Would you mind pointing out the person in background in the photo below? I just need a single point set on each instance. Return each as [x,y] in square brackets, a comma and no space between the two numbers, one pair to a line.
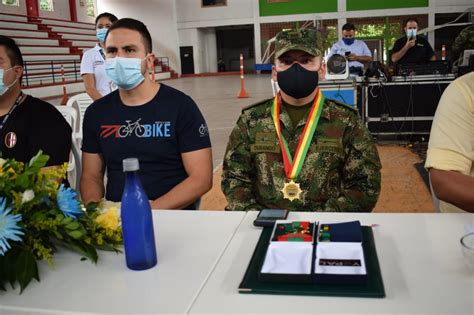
[151,121]
[464,41]
[27,124]
[356,51]
[300,151]
[96,82]
[450,156]
[412,48]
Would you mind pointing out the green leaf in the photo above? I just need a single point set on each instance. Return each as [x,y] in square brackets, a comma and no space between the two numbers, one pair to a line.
[75,234]
[22,181]
[92,206]
[66,221]
[39,160]
[3,276]
[82,248]
[73,225]
[38,216]
[107,247]
[26,269]
[9,264]
[57,235]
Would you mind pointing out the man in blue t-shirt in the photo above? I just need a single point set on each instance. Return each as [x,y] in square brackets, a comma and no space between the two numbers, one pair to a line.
[153,122]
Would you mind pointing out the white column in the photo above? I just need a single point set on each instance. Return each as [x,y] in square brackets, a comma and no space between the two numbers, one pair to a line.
[256,32]
[431,21]
[211,50]
[341,8]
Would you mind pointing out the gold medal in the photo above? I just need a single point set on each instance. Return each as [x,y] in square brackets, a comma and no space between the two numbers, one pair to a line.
[291,191]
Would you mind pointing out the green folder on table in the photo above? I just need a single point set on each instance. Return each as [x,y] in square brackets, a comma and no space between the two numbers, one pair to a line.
[372,288]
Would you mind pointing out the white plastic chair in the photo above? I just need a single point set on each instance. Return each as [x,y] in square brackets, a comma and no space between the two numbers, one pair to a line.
[74,165]
[79,102]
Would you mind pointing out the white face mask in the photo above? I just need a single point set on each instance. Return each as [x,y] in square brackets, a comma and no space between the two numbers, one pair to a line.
[126,73]
[411,33]
[4,88]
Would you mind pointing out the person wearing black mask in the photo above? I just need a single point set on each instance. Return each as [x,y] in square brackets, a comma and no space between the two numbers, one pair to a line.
[299,150]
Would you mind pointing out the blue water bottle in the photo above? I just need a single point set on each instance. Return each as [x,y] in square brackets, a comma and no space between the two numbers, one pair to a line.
[137,222]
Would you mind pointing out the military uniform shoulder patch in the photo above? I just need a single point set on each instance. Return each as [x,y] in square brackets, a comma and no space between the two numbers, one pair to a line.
[354,108]
[257,104]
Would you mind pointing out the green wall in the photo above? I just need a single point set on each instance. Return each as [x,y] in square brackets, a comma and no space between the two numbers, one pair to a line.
[297,7]
[354,5]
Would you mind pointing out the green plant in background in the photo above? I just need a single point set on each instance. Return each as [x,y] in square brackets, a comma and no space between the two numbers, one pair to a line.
[329,35]
[90,8]
[388,32]
[37,214]
[46,5]
[10,2]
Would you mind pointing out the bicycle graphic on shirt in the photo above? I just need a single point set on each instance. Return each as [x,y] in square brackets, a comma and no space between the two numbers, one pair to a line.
[130,128]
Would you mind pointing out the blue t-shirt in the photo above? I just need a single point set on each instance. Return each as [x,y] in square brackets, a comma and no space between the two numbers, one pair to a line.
[156,133]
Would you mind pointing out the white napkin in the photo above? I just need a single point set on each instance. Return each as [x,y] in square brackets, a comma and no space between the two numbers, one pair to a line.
[340,250]
[288,258]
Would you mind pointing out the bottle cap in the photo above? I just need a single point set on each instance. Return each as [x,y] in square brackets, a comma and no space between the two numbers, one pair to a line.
[130,165]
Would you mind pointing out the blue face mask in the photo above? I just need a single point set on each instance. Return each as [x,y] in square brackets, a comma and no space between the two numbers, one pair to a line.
[126,73]
[4,88]
[348,41]
[411,33]
[100,33]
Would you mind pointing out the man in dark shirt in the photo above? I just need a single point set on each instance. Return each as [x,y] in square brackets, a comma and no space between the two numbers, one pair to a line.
[412,48]
[27,124]
[153,122]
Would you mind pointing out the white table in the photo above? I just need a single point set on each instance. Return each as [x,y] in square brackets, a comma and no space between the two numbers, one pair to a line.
[419,254]
[189,243]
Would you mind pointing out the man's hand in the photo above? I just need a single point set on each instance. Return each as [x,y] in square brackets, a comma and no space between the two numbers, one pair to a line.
[410,43]
[363,59]
[351,57]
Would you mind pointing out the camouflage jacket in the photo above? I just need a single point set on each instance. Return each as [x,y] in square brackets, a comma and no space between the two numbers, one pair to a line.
[341,171]
[465,40]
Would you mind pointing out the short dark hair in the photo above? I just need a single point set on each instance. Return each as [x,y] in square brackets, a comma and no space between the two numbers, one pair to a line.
[13,52]
[348,27]
[411,19]
[133,25]
[108,15]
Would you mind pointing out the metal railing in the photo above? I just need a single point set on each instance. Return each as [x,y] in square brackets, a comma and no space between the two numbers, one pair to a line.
[47,72]
[162,64]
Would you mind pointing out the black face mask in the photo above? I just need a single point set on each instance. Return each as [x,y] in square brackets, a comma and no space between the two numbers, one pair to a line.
[297,82]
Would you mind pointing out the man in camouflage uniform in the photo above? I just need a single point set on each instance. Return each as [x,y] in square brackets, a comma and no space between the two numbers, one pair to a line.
[341,171]
[465,40]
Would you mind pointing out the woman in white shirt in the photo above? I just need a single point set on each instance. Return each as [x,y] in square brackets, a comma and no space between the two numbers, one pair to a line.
[96,82]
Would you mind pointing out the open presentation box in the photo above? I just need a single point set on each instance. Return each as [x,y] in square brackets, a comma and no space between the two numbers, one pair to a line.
[310,264]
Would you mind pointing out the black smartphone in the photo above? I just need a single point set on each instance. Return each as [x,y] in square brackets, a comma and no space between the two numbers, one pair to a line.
[267,217]
[347,53]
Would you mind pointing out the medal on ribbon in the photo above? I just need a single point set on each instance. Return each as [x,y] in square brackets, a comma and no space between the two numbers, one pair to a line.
[292,190]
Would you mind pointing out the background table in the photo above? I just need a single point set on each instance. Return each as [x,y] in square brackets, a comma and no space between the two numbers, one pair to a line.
[189,243]
[419,254]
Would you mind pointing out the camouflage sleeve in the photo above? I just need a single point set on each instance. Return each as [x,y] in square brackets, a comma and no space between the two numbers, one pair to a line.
[238,169]
[459,44]
[361,173]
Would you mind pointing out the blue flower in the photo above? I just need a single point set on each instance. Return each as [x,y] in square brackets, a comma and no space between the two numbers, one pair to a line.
[9,230]
[68,203]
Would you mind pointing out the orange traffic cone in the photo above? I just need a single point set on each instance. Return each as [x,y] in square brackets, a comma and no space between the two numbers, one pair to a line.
[243,92]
